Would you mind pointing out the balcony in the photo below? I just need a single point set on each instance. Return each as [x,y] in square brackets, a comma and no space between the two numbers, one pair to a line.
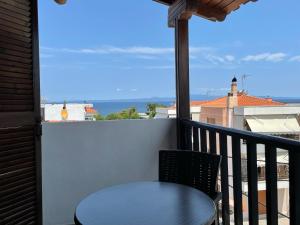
[79,158]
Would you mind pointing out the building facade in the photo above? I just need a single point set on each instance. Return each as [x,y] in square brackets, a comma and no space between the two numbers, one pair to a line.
[68,112]
[262,115]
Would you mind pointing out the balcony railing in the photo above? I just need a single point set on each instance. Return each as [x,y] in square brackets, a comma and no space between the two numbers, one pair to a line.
[227,142]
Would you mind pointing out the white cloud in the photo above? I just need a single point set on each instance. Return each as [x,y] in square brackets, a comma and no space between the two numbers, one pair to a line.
[268,57]
[140,50]
[147,57]
[119,89]
[160,67]
[133,89]
[217,59]
[229,58]
[295,58]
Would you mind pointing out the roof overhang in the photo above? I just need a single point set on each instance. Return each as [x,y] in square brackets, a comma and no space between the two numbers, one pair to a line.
[215,10]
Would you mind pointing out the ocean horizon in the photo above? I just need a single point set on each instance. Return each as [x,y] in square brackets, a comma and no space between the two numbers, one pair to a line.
[105,107]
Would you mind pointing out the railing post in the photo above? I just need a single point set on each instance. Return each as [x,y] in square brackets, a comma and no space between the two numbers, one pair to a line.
[294,172]
[271,185]
[252,183]
[224,180]
[203,139]
[237,180]
[196,139]
[212,142]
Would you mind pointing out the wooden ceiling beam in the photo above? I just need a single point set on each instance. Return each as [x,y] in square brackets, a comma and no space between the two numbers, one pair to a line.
[165,2]
[181,9]
[215,10]
[234,5]
[210,13]
[184,9]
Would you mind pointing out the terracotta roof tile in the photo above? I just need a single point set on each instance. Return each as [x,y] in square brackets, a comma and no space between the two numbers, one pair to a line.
[90,110]
[243,100]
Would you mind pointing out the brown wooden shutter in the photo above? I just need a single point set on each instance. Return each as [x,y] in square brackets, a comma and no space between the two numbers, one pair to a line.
[20,123]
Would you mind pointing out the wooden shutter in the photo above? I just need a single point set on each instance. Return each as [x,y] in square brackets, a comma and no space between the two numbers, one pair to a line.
[20,122]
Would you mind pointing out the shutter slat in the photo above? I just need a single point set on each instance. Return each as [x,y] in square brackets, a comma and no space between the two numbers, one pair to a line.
[15,80]
[21,5]
[15,53]
[13,30]
[13,20]
[18,11]
[15,70]
[15,91]
[5,21]
[9,74]
[15,58]
[17,17]
[6,39]
[16,173]
[15,48]
[15,36]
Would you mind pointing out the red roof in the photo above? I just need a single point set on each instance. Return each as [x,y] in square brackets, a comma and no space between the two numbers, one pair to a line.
[243,100]
[90,110]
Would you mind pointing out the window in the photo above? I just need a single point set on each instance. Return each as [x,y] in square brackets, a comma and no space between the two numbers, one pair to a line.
[211,120]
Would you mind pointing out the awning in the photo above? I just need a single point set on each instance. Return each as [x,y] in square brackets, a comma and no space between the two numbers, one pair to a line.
[274,124]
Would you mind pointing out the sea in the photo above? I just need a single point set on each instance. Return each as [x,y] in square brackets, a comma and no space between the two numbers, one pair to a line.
[107,107]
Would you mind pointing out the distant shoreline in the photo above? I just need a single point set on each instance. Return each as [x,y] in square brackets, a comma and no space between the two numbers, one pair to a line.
[105,107]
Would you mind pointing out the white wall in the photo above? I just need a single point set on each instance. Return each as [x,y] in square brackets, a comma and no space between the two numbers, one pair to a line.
[268,110]
[79,158]
[76,112]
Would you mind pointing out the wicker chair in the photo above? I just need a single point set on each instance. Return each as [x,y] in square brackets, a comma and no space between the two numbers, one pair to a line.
[194,169]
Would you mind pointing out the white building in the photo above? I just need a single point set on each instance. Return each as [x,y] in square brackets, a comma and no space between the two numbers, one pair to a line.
[68,112]
[170,112]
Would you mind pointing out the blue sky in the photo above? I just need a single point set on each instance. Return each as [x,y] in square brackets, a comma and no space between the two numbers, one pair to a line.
[95,49]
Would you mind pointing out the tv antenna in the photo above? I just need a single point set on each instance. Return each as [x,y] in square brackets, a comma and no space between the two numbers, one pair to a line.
[244,77]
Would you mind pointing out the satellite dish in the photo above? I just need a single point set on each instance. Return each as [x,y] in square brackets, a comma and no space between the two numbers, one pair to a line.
[61,2]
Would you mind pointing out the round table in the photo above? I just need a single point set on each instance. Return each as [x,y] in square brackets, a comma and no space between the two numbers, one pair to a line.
[146,203]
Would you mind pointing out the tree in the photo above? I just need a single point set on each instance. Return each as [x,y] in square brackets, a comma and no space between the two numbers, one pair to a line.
[130,113]
[151,109]
[113,116]
[99,117]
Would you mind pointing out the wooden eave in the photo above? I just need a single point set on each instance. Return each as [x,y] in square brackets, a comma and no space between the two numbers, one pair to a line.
[215,10]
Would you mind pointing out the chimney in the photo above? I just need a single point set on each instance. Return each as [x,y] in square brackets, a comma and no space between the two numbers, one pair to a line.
[232,101]
[234,89]
[233,94]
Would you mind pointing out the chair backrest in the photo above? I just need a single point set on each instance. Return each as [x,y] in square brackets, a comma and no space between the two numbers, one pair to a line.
[195,169]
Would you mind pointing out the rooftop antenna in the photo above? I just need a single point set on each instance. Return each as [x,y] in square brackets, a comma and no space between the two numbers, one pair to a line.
[244,77]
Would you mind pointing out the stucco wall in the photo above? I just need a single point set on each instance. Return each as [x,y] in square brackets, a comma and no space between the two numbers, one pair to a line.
[219,114]
[83,157]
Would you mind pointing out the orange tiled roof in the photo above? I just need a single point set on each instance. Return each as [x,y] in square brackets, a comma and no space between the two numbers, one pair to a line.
[90,110]
[243,100]
[198,103]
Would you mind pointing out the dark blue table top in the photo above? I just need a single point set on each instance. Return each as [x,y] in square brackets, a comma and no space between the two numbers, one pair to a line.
[146,203]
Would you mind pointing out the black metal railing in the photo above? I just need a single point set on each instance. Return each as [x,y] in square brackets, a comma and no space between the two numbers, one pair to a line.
[227,142]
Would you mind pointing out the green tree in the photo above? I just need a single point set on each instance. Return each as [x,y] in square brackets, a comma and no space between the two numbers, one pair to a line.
[151,109]
[130,113]
[99,117]
[113,116]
